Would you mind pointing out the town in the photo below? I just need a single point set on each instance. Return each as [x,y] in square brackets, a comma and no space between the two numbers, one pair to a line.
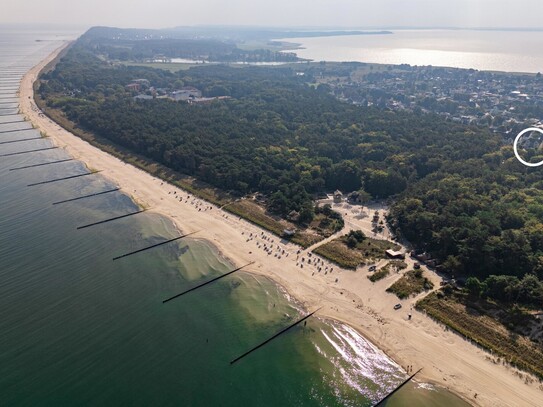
[504,102]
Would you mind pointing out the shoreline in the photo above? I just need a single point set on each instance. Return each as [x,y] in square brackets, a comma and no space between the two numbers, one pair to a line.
[448,360]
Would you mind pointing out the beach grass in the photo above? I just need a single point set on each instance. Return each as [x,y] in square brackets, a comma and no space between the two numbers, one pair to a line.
[393,265]
[256,214]
[379,274]
[411,283]
[467,319]
[340,253]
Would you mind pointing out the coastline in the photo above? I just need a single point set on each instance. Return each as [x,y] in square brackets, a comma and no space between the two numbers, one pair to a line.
[448,360]
[410,47]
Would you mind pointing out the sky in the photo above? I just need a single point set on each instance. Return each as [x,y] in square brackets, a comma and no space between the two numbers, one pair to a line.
[278,13]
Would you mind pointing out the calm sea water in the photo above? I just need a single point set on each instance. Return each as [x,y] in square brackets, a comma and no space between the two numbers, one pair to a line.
[78,328]
[511,51]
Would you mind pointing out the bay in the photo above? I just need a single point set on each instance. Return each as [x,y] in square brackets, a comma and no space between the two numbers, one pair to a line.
[494,50]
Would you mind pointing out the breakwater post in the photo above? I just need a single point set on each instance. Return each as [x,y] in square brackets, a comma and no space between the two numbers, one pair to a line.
[109,220]
[87,196]
[206,282]
[380,402]
[63,178]
[282,331]
[153,246]
[39,165]
[29,151]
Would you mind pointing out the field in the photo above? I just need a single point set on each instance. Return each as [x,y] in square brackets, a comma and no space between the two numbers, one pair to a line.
[413,282]
[368,250]
[394,265]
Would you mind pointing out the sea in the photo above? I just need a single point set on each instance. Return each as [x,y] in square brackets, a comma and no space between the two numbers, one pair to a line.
[490,50]
[78,328]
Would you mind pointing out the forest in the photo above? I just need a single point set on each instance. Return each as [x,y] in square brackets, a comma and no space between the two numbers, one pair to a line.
[457,191]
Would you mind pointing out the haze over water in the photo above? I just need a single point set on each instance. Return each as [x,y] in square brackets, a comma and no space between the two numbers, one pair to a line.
[510,51]
[80,329]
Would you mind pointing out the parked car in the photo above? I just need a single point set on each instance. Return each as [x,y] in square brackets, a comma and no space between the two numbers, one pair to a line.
[397,306]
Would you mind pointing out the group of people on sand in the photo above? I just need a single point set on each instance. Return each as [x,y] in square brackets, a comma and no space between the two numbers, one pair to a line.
[263,241]
[197,203]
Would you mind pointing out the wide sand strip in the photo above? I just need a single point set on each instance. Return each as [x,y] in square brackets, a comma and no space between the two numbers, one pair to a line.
[446,359]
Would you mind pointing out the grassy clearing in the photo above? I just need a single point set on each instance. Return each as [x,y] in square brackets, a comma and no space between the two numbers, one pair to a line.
[394,265]
[379,274]
[459,314]
[326,225]
[412,283]
[338,252]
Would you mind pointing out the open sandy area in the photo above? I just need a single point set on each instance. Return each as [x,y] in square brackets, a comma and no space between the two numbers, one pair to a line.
[447,360]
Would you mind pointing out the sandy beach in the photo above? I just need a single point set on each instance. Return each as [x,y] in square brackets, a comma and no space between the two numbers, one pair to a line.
[447,359]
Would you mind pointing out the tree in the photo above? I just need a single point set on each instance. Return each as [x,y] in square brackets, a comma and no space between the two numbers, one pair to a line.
[453,265]
[363,196]
[474,287]
[307,213]
[352,242]
[278,202]
[358,235]
[327,209]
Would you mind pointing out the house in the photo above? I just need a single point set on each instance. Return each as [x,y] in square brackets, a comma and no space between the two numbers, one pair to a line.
[142,82]
[197,93]
[338,196]
[393,254]
[289,232]
[143,97]
[185,94]
[356,197]
[293,216]
[133,87]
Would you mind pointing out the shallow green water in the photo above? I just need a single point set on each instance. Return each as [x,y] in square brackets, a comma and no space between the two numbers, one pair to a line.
[81,329]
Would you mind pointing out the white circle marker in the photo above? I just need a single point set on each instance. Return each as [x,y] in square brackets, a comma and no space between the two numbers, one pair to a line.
[522,133]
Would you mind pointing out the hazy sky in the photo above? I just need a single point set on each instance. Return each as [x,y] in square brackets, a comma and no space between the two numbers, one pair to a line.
[347,13]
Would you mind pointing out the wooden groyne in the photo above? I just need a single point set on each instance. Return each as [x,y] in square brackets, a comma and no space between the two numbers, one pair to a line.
[110,219]
[205,283]
[20,141]
[13,131]
[14,121]
[153,246]
[282,331]
[40,165]
[86,196]
[29,151]
[63,178]
[380,402]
